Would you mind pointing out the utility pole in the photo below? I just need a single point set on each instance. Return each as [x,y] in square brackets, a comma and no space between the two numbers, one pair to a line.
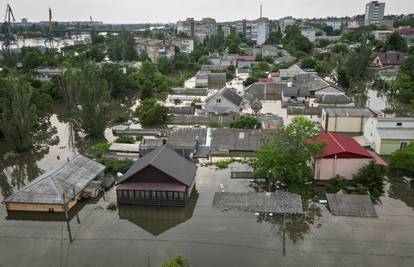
[67,217]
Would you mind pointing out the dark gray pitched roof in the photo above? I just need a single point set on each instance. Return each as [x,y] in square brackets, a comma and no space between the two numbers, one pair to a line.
[50,186]
[232,96]
[335,99]
[168,161]
[296,91]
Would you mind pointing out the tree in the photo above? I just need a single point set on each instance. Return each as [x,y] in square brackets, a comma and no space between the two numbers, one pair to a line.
[92,112]
[405,81]
[335,184]
[177,261]
[308,63]
[245,122]
[300,43]
[18,117]
[151,113]
[395,42]
[165,66]
[402,160]
[116,79]
[249,81]
[285,156]
[275,38]
[371,177]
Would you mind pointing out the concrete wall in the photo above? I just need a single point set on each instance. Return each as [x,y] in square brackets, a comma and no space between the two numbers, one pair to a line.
[328,168]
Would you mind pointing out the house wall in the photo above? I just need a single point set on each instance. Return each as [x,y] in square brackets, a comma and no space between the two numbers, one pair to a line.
[343,124]
[222,107]
[387,147]
[328,168]
[39,207]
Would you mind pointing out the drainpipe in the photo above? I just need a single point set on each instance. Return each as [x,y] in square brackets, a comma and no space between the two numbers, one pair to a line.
[334,174]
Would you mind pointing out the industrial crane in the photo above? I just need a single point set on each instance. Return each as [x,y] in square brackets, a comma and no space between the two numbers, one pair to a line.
[50,41]
[7,25]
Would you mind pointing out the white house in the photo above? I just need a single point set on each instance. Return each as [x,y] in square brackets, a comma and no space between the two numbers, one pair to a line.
[225,101]
[386,135]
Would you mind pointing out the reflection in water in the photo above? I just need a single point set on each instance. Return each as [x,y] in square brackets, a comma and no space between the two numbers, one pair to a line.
[402,189]
[296,226]
[157,220]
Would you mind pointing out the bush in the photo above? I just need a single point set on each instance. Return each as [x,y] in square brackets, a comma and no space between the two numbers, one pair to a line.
[98,150]
[125,139]
[116,165]
[335,184]
[139,138]
[112,206]
[177,261]
[214,124]
[224,164]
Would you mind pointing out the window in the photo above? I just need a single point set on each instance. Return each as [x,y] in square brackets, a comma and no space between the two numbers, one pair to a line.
[403,144]
[218,100]
[170,195]
[164,195]
[181,195]
[124,193]
[153,194]
[141,194]
[131,194]
[175,195]
[399,123]
[147,195]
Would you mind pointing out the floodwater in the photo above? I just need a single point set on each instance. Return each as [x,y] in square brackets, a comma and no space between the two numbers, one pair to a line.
[204,234]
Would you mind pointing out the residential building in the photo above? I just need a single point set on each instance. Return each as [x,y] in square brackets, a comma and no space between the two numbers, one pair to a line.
[154,48]
[198,29]
[245,61]
[57,190]
[262,30]
[226,30]
[342,155]
[335,24]
[212,80]
[386,135]
[185,148]
[389,59]
[264,50]
[225,101]
[185,45]
[202,78]
[46,74]
[381,35]
[248,28]
[265,91]
[389,74]
[309,33]
[161,177]
[286,21]
[295,95]
[341,100]
[269,121]
[346,120]
[374,12]
[237,142]
[407,33]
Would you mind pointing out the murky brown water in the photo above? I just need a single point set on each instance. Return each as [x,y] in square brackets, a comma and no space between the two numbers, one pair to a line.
[206,235]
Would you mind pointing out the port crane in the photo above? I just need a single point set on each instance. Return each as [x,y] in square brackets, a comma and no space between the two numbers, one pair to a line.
[50,41]
[9,19]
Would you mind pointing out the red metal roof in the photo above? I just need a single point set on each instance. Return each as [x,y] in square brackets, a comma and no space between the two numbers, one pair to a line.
[406,30]
[275,74]
[152,187]
[378,159]
[265,80]
[341,146]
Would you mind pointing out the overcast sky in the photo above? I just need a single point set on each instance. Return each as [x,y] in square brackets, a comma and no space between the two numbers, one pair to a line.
[139,11]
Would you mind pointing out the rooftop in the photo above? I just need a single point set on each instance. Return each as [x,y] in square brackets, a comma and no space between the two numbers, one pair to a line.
[68,179]
[350,112]
[166,160]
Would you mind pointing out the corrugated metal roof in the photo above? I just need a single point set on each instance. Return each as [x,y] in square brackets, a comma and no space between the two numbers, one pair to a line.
[168,161]
[351,205]
[49,188]
[337,144]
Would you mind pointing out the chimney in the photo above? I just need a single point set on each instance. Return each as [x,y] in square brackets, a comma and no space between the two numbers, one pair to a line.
[398,56]
[261,11]
[164,141]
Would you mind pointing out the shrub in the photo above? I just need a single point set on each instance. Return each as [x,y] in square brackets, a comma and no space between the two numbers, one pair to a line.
[402,160]
[112,206]
[116,165]
[335,184]
[214,124]
[139,138]
[370,178]
[125,139]
[98,150]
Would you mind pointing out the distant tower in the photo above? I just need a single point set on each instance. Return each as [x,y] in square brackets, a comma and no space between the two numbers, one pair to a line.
[262,28]
[261,11]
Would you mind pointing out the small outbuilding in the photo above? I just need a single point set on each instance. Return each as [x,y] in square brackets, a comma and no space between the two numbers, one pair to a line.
[58,189]
[161,177]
